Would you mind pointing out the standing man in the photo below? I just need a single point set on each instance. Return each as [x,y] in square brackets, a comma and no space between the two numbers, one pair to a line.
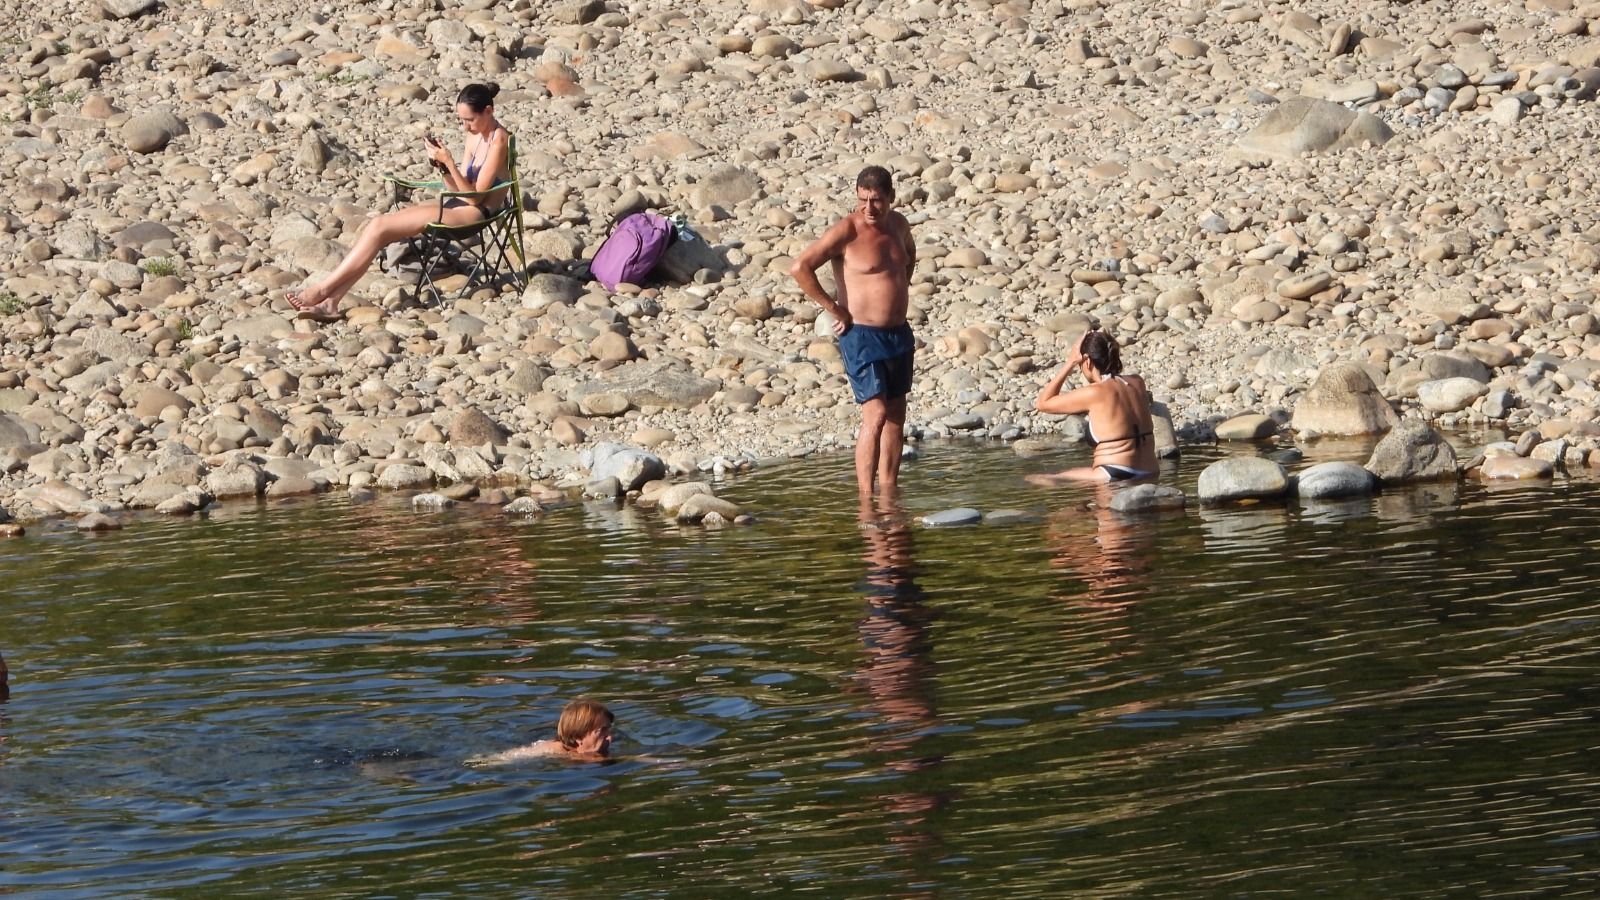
[872,254]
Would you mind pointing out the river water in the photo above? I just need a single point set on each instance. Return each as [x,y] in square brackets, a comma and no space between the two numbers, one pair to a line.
[1390,696]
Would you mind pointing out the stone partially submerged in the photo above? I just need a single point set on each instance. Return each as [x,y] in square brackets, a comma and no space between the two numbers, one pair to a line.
[1242,478]
[1333,479]
[1413,451]
[1303,125]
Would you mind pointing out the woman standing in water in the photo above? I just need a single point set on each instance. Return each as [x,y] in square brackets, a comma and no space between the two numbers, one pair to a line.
[1118,409]
[488,153]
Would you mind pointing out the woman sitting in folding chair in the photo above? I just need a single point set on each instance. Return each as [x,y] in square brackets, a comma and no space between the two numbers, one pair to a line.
[488,159]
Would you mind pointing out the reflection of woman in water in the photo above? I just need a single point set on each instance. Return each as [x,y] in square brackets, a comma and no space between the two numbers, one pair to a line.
[1118,408]
[1111,561]
[897,672]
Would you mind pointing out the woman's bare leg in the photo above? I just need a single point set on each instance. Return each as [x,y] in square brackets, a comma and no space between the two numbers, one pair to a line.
[378,233]
[1088,474]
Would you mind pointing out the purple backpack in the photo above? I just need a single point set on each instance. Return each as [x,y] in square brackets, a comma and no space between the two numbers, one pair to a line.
[632,250]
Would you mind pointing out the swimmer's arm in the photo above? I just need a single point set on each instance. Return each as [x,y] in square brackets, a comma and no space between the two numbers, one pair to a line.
[535,750]
[804,269]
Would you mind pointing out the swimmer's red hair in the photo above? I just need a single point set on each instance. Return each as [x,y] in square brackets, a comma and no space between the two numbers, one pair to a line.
[579,718]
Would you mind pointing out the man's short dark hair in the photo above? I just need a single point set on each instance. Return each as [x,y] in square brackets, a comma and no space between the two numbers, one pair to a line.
[875,178]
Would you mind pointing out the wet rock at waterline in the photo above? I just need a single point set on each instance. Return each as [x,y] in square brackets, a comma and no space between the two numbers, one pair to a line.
[1331,480]
[1514,468]
[1412,451]
[1242,478]
[951,517]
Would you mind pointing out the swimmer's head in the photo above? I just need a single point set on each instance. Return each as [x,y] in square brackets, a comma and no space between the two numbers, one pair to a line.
[1101,350]
[585,727]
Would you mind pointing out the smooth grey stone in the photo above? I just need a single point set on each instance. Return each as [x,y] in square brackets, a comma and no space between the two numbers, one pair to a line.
[1449,76]
[1009,517]
[961,515]
[962,421]
[1242,478]
[1333,479]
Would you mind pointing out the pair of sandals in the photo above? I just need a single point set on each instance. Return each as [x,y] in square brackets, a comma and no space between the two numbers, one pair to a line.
[315,312]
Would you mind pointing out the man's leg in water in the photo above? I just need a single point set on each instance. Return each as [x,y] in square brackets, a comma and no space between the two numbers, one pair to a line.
[890,444]
[874,413]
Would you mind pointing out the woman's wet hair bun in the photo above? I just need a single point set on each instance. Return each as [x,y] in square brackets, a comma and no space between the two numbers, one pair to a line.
[494,90]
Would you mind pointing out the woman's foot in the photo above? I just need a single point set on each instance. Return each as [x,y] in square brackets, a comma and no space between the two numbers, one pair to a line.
[326,311]
[301,299]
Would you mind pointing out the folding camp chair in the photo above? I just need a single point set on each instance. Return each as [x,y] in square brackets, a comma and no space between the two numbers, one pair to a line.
[481,249]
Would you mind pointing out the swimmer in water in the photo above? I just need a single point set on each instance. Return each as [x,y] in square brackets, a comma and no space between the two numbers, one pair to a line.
[583,732]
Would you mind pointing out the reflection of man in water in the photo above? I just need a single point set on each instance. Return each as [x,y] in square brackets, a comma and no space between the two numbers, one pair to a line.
[898,673]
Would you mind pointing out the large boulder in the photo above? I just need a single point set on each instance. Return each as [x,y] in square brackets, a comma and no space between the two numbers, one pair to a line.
[472,427]
[1166,436]
[1412,451]
[236,478]
[1303,125]
[1450,394]
[651,386]
[127,9]
[686,257]
[1343,400]
[404,476]
[15,432]
[1242,478]
[1333,479]
[726,187]
[630,466]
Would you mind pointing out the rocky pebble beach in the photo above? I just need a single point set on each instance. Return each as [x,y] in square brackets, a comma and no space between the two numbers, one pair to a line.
[1324,218]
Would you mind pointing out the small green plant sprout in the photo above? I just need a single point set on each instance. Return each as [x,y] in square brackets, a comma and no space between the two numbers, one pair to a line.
[40,97]
[185,329]
[10,304]
[159,266]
